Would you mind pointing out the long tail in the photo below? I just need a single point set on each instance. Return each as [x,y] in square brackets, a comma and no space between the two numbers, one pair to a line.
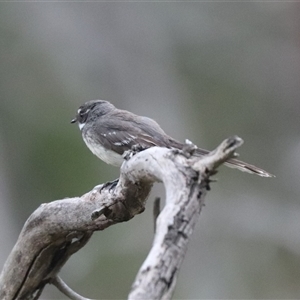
[245,167]
[232,163]
[240,165]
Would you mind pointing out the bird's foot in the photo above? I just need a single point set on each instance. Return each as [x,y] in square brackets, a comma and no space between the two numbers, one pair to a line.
[110,185]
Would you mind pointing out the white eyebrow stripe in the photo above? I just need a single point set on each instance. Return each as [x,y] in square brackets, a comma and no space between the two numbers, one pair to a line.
[83,112]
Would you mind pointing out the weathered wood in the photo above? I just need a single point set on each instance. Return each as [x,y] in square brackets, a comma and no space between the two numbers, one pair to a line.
[186,183]
[58,229]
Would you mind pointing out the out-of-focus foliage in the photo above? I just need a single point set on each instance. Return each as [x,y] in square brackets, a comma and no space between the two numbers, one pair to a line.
[204,71]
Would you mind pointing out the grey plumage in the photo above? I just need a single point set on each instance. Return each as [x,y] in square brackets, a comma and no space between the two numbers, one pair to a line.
[109,132]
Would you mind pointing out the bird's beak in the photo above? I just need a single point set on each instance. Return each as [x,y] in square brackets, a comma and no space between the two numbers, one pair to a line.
[74,120]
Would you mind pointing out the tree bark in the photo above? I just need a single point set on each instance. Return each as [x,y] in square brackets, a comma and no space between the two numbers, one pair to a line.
[58,229]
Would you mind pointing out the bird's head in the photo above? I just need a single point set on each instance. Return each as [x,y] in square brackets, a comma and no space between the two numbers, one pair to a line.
[91,110]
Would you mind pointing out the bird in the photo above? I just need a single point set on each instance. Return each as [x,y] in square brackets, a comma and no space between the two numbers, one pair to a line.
[108,132]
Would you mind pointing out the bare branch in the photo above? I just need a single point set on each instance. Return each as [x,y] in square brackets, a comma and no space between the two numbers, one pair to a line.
[186,185]
[58,229]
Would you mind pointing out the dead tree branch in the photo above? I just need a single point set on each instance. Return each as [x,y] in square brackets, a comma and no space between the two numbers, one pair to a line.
[58,229]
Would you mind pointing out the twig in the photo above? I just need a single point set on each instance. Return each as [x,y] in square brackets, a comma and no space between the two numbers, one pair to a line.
[66,290]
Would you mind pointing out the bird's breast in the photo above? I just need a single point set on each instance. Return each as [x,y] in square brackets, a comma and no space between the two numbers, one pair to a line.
[108,156]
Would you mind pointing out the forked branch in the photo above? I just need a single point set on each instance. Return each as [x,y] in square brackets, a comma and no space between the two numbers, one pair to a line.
[58,229]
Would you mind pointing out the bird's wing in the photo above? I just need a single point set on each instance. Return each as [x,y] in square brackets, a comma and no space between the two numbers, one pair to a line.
[144,132]
[120,136]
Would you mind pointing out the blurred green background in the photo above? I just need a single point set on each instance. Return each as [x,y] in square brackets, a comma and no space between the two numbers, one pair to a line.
[204,71]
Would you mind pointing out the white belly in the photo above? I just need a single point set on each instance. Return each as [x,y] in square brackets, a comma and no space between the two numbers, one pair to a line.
[108,156]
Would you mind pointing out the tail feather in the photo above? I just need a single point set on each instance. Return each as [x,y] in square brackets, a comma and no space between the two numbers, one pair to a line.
[245,167]
[231,163]
[240,165]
